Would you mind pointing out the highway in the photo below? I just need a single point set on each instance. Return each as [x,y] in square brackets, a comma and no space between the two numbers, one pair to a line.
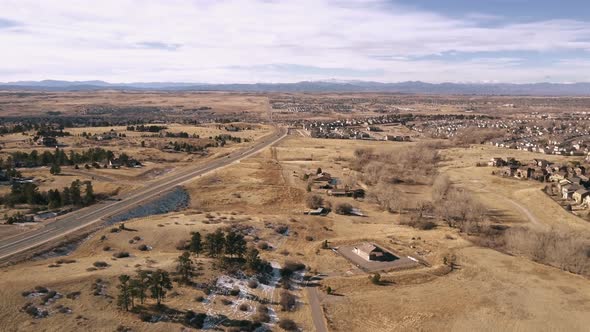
[79,219]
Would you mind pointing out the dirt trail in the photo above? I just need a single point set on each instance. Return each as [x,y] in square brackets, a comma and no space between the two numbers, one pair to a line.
[317,314]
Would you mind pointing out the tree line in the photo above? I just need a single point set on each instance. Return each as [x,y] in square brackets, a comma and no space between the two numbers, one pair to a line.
[58,157]
[143,128]
[78,194]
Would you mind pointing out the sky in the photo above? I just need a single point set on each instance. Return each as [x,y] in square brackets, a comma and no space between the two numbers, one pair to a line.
[248,41]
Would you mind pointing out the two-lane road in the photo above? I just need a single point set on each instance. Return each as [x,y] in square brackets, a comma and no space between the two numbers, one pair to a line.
[82,218]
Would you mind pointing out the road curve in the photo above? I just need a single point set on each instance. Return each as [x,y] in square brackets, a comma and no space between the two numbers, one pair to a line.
[79,219]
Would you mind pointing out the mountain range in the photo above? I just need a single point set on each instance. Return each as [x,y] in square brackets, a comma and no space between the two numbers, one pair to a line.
[410,87]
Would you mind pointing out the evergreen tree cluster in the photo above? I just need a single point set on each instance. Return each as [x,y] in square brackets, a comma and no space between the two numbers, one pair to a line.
[181,134]
[144,128]
[187,147]
[228,246]
[59,157]
[156,284]
[77,194]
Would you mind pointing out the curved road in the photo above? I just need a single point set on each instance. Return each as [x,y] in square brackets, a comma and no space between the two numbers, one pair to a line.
[79,219]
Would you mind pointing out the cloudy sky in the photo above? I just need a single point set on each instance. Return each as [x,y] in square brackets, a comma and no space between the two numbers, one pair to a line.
[224,41]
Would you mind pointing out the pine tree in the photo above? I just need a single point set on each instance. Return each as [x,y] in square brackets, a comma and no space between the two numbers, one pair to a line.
[185,267]
[54,199]
[215,243]
[66,196]
[75,194]
[159,284]
[196,245]
[124,299]
[55,169]
[89,197]
[140,285]
[235,244]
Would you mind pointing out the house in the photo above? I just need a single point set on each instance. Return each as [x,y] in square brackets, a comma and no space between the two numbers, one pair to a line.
[317,212]
[44,216]
[338,192]
[323,177]
[567,191]
[580,195]
[369,252]
[541,162]
[115,163]
[497,162]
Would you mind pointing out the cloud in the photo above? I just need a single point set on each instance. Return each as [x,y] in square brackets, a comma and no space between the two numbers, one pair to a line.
[159,46]
[279,40]
[4,23]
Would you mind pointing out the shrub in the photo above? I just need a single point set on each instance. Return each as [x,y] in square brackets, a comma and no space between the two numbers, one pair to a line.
[244,307]
[261,315]
[143,247]
[309,238]
[288,301]
[100,264]
[234,292]
[73,295]
[106,248]
[263,246]
[282,229]
[41,289]
[253,284]
[226,301]
[50,295]
[314,201]
[121,254]
[293,266]
[376,279]
[343,208]
[288,325]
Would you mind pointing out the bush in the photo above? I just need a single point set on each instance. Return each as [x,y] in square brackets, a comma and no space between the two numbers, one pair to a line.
[293,266]
[314,201]
[263,246]
[262,315]
[143,247]
[73,295]
[288,301]
[376,279]
[253,284]
[282,229]
[226,301]
[288,325]
[121,254]
[343,208]
[309,238]
[234,292]
[244,307]
[106,248]
[100,264]
[41,289]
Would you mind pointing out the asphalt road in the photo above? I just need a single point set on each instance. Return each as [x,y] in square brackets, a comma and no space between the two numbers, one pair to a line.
[79,219]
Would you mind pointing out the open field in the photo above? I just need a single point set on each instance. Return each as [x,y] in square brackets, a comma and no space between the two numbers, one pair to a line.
[491,252]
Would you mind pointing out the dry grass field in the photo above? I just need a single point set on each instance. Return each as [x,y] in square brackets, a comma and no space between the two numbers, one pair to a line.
[462,280]
[77,103]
